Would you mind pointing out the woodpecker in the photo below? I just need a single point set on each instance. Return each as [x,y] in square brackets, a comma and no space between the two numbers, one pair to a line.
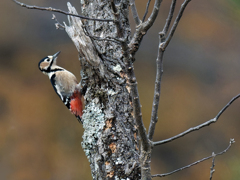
[64,83]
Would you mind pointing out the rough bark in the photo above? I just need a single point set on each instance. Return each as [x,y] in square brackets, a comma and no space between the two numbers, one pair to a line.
[110,137]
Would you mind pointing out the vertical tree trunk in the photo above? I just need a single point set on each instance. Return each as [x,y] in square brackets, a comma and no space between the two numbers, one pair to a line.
[110,138]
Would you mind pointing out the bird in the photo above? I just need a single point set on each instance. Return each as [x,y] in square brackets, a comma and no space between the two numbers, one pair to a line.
[64,83]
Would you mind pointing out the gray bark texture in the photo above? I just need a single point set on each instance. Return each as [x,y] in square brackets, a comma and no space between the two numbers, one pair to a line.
[110,139]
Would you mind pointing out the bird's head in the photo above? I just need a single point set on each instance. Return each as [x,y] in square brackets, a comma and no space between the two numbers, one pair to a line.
[48,64]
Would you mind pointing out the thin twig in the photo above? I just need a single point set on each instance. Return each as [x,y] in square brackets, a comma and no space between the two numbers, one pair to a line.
[60,11]
[212,170]
[142,29]
[159,63]
[154,14]
[157,91]
[199,126]
[134,12]
[199,161]
[175,24]
[58,24]
[169,18]
[145,14]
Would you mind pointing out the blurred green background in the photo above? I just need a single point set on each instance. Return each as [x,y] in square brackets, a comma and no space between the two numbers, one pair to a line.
[40,139]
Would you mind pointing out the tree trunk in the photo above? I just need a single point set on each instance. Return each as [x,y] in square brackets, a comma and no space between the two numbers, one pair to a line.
[110,139]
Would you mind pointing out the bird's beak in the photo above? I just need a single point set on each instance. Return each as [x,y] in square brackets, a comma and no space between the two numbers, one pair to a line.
[56,55]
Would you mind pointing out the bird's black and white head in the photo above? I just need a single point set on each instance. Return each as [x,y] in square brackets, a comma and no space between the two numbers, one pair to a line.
[48,64]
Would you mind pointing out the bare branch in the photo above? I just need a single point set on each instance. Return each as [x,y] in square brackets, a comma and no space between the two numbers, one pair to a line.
[145,14]
[159,63]
[134,12]
[199,126]
[157,91]
[212,170]
[199,161]
[175,24]
[154,14]
[169,18]
[60,11]
[143,28]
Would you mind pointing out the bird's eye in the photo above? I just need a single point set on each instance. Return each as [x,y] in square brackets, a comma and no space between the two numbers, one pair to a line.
[47,59]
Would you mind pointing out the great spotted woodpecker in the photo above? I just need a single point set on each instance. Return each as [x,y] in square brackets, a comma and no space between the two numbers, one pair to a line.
[64,83]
